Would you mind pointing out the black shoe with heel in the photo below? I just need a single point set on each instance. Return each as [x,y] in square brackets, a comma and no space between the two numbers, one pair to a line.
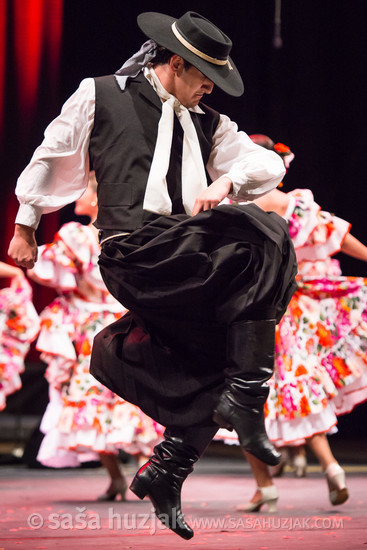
[161,479]
[117,489]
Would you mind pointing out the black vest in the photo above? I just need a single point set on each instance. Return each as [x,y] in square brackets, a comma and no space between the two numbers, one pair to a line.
[122,145]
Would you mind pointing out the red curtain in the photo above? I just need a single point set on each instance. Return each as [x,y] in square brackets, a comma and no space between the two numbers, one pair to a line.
[30,66]
[37,45]
[3,11]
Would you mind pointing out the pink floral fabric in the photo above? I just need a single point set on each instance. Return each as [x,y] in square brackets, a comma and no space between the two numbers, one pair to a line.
[321,341]
[19,326]
[83,417]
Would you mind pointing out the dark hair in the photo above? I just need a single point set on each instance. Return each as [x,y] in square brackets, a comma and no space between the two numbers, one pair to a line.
[279,148]
[263,140]
[163,57]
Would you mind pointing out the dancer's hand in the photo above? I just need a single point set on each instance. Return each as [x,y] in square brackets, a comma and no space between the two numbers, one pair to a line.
[23,246]
[213,195]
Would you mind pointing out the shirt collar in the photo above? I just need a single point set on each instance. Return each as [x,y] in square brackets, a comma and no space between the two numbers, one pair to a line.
[153,79]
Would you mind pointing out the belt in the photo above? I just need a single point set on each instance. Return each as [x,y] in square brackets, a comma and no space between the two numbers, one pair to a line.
[106,235]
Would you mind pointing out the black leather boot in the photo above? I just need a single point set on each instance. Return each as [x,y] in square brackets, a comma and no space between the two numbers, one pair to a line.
[161,478]
[241,405]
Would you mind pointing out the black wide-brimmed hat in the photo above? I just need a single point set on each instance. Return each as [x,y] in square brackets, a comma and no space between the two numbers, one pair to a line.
[199,42]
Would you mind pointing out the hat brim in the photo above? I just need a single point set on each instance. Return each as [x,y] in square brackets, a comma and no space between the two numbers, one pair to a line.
[158,27]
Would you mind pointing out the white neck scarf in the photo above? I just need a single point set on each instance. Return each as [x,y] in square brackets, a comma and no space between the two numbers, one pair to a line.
[193,175]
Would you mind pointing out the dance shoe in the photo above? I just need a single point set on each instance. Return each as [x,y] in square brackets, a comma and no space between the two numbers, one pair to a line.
[335,477]
[269,496]
[161,479]
[300,466]
[117,488]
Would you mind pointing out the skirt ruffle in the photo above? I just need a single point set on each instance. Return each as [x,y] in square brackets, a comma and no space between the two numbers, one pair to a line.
[19,326]
[84,418]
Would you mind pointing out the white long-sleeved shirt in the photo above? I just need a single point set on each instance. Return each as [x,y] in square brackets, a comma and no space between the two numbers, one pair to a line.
[58,172]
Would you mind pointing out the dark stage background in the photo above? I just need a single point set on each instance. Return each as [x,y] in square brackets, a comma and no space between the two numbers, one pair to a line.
[310,93]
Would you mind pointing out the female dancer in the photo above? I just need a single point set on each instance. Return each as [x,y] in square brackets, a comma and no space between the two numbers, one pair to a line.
[321,341]
[19,326]
[84,420]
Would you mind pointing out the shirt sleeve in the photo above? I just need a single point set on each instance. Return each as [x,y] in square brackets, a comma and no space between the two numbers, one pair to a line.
[252,169]
[57,174]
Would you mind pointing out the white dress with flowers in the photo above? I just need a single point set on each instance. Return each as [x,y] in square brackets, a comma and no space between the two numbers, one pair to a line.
[19,326]
[83,418]
[321,341]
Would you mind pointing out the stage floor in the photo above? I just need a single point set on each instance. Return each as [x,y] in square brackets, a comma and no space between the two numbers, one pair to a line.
[46,509]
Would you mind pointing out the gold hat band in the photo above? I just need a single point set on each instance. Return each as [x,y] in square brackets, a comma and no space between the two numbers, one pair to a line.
[194,50]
